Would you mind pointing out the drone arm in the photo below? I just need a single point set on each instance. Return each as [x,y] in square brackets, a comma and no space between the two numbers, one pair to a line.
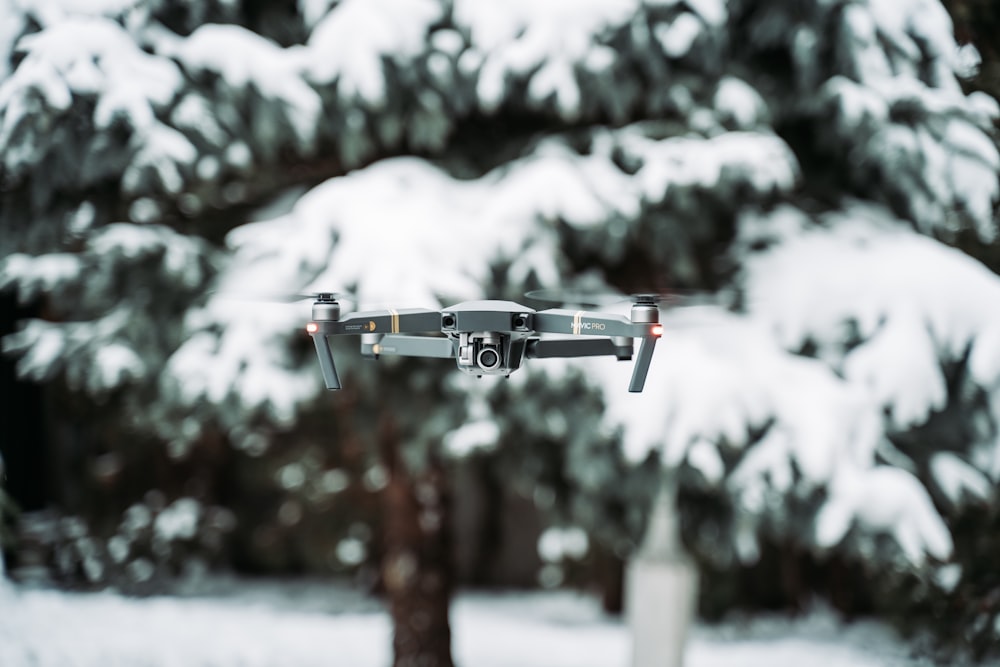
[592,347]
[584,323]
[410,320]
[410,346]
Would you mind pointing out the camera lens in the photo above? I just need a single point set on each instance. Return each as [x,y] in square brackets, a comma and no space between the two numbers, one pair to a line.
[488,359]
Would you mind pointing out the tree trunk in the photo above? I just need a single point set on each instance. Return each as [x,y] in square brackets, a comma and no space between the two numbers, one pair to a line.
[416,567]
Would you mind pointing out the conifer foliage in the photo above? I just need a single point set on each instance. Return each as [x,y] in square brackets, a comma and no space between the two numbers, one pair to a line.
[813,160]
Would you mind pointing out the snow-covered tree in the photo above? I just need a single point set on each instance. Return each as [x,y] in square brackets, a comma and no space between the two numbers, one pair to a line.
[811,158]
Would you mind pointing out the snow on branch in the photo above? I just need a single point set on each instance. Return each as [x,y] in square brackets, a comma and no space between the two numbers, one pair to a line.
[347,48]
[87,78]
[246,61]
[876,310]
[884,311]
[405,233]
[108,333]
[930,149]
[567,56]
[769,430]
[542,43]
[12,24]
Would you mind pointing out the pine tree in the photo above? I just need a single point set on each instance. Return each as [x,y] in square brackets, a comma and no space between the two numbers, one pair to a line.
[805,157]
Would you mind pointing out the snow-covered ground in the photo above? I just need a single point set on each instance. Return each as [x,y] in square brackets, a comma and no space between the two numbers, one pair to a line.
[258,624]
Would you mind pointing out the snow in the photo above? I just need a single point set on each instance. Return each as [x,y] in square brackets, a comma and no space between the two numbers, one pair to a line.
[44,346]
[738,100]
[472,436]
[50,12]
[900,54]
[406,232]
[179,254]
[676,38]
[712,12]
[264,624]
[244,60]
[35,275]
[348,45]
[856,286]
[404,215]
[250,359]
[560,542]
[542,41]
[115,364]
[867,272]
[162,155]
[709,386]
[869,269]
[764,160]
[11,25]
[90,56]
[179,520]
[956,478]
[969,61]
[889,500]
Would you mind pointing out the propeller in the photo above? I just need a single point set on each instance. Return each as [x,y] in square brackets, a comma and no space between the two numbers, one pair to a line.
[294,297]
[603,299]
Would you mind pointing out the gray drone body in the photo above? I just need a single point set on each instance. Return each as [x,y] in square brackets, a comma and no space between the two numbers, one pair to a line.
[488,337]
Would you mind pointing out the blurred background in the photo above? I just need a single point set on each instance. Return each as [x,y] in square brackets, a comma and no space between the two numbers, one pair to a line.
[825,419]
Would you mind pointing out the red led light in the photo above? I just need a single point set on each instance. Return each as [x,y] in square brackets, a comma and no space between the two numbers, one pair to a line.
[657,330]
[312,327]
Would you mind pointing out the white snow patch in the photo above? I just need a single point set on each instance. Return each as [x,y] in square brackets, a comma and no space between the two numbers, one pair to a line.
[179,520]
[114,364]
[471,437]
[44,345]
[521,36]
[407,234]
[868,270]
[712,12]
[558,543]
[266,626]
[889,500]
[956,478]
[37,275]
[676,38]
[739,101]
[244,59]
[12,23]
[91,57]
[349,43]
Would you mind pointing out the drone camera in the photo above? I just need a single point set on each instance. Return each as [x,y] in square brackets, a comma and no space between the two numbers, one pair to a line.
[482,353]
[521,322]
[448,321]
[489,357]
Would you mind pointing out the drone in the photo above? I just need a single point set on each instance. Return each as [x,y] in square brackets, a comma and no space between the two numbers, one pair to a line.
[489,337]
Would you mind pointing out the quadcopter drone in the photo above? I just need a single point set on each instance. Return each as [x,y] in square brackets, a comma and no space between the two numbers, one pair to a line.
[488,337]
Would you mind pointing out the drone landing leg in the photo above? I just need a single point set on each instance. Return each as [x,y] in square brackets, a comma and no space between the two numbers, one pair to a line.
[330,376]
[642,364]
